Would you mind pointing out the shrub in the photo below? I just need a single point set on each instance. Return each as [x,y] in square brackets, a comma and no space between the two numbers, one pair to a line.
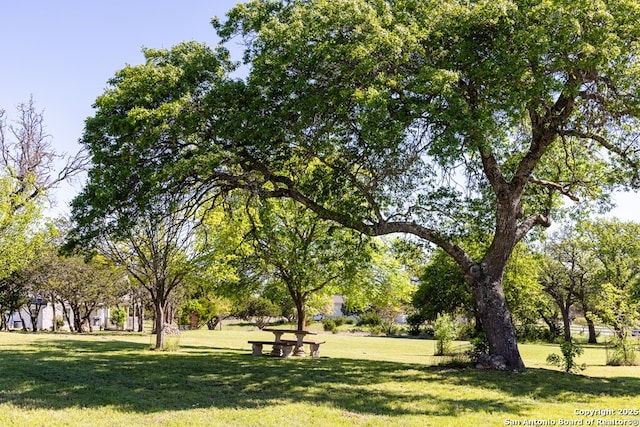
[444,329]
[329,324]
[416,323]
[370,318]
[623,354]
[534,333]
[118,317]
[570,351]
[479,346]
[466,331]
[259,310]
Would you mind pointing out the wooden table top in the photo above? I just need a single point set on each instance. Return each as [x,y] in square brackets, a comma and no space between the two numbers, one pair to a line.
[289,331]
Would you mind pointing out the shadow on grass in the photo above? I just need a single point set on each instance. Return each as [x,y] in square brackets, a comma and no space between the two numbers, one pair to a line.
[127,376]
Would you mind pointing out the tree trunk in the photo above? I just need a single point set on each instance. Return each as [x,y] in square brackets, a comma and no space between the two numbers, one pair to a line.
[158,323]
[213,323]
[140,317]
[496,320]
[168,312]
[302,321]
[566,322]
[551,324]
[34,321]
[593,339]
[24,325]
[54,326]
[77,318]
[87,317]
[66,315]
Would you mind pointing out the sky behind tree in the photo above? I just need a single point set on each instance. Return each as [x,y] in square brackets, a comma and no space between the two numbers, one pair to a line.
[63,53]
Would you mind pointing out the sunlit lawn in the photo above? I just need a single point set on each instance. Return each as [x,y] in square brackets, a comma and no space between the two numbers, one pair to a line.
[115,380]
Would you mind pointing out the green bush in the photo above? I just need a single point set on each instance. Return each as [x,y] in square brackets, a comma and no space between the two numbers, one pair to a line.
[118,317]
[259,311]
[416,323]
[466,331]
[329,325]
[570,351]
[623,352]
[534,333]
[369,318]
[479,346]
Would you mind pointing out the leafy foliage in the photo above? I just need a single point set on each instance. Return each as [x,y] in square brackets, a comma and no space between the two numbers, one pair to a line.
[570,351]
[259,310]
[118,317]
[623,352]
[444,330]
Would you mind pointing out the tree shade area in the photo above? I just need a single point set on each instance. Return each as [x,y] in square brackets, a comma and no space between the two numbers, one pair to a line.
[436,119]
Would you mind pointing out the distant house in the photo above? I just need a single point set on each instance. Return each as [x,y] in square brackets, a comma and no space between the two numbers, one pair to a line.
[99,317]
[338,303]
[22,319]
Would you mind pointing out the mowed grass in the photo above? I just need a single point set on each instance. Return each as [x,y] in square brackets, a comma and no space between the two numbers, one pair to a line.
[212,380]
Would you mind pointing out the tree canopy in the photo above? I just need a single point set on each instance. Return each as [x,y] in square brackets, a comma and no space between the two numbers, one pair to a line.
[432,118]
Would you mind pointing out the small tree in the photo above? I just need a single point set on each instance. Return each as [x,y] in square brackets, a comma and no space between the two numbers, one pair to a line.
[570,351]
[259,311]
[445,330]
[623,352]
[118,317]
[299,252]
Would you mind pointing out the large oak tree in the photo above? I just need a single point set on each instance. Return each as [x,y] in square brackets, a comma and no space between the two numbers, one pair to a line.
[430,118]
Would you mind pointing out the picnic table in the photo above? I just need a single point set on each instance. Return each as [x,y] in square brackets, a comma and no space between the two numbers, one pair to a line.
[285,347]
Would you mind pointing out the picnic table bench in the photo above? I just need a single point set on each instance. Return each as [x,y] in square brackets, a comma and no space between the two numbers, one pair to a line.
[287,347]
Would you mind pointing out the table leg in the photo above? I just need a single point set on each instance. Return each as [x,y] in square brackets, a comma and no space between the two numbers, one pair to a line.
[257,349]
[277,347]
[299,350]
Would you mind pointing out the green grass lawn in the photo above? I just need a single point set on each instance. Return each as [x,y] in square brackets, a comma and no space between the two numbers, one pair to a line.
[115,380]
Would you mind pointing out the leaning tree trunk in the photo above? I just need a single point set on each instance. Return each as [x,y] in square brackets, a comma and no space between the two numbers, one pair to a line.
[496,320]
[65,311]
[24,325]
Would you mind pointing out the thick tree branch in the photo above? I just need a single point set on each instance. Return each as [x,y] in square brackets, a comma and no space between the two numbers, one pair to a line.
[285,187]
[529,223]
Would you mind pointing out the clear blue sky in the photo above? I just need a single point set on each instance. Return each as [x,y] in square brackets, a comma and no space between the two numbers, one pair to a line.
[63,53]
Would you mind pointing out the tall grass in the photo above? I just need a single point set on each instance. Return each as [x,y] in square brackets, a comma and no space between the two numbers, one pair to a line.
[115,380]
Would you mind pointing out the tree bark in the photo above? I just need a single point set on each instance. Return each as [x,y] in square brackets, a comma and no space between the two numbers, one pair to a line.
[24,325]
[566,322]
[140,308]
[54,326]
[302,314]
[65,313]
[159,307]
[213,323]
[496,320]
[593,339]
